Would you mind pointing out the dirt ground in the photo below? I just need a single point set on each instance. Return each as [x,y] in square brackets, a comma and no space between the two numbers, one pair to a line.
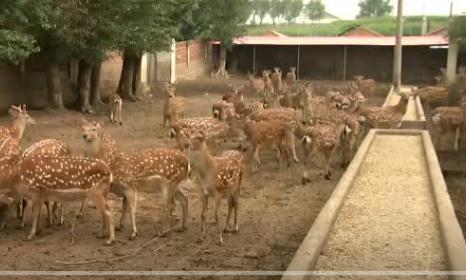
[276,211]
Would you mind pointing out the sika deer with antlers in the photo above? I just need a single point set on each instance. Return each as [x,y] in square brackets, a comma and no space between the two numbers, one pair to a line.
[18,125]
[220,177]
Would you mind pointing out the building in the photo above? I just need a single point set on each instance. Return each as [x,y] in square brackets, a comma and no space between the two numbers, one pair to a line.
[342,57]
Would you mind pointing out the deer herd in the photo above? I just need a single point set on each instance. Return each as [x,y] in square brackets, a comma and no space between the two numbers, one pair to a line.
[276,116]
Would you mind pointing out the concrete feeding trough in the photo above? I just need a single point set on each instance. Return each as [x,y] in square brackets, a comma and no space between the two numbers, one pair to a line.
[390,211]
[414,117]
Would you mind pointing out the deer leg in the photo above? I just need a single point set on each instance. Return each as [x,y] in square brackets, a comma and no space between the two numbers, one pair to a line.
[205,200]
[119,116]
[36,205]
[328,172]
[131,204]
[48,205]
[230,207]
[108,228]
[256,156]
[219,229]
[61,220]
[181,198]
[23,215]
[457,138]
[81,210]
[124,210]
[20,208]
[236,204]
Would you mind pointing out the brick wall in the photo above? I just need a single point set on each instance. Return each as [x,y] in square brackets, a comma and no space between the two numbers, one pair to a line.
[191,59]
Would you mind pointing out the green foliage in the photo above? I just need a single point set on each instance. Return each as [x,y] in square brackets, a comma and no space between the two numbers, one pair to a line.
[15,44]
[222,20]
[457,28]
[276,10]
[374,8]
[292,9]
[261,8]
[315,9]
[385,25]
[149,25]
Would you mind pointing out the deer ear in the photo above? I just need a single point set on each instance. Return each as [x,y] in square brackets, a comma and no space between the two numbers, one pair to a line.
[84,121]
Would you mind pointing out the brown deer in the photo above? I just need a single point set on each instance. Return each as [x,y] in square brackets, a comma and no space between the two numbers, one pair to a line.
[160,168]
[273,134]
[451,118]
[323,138]
[20,119]
[174,107]
[385,117]
[367,86]
[116,103]
[276,77]
[220,177]
[290,78]
[268,86]
[214,129]
[47,147]
[257,86]
[43,178]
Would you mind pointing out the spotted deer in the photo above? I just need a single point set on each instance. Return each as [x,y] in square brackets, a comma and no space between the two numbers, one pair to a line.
[272,134]
[47,147]
[244,108]
[385,117]
[217,176]
[49,178]
[257,86]
[286,115]
[116,104]
[268,86]
[160,168]
[223,110]
[290,78]
[323,138]
[367,86]
[276,77]
[174,107]
[20,119]
[446,119]
[214,129]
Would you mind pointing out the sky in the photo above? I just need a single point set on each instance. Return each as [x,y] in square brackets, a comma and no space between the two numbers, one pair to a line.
[348,9]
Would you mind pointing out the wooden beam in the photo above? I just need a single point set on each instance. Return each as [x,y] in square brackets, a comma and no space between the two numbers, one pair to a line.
[345,55]
[298,62]
[254,60]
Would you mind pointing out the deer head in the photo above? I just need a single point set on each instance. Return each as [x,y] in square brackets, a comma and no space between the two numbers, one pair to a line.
[20,113]
[91,131]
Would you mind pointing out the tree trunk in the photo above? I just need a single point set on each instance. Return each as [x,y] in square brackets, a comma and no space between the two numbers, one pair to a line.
[96,100]
[137,77]
[261,19]
[54,87]
[125,85]
[222,72]
[84,85]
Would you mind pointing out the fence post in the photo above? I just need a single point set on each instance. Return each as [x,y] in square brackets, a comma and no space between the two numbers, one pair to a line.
[173,61]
